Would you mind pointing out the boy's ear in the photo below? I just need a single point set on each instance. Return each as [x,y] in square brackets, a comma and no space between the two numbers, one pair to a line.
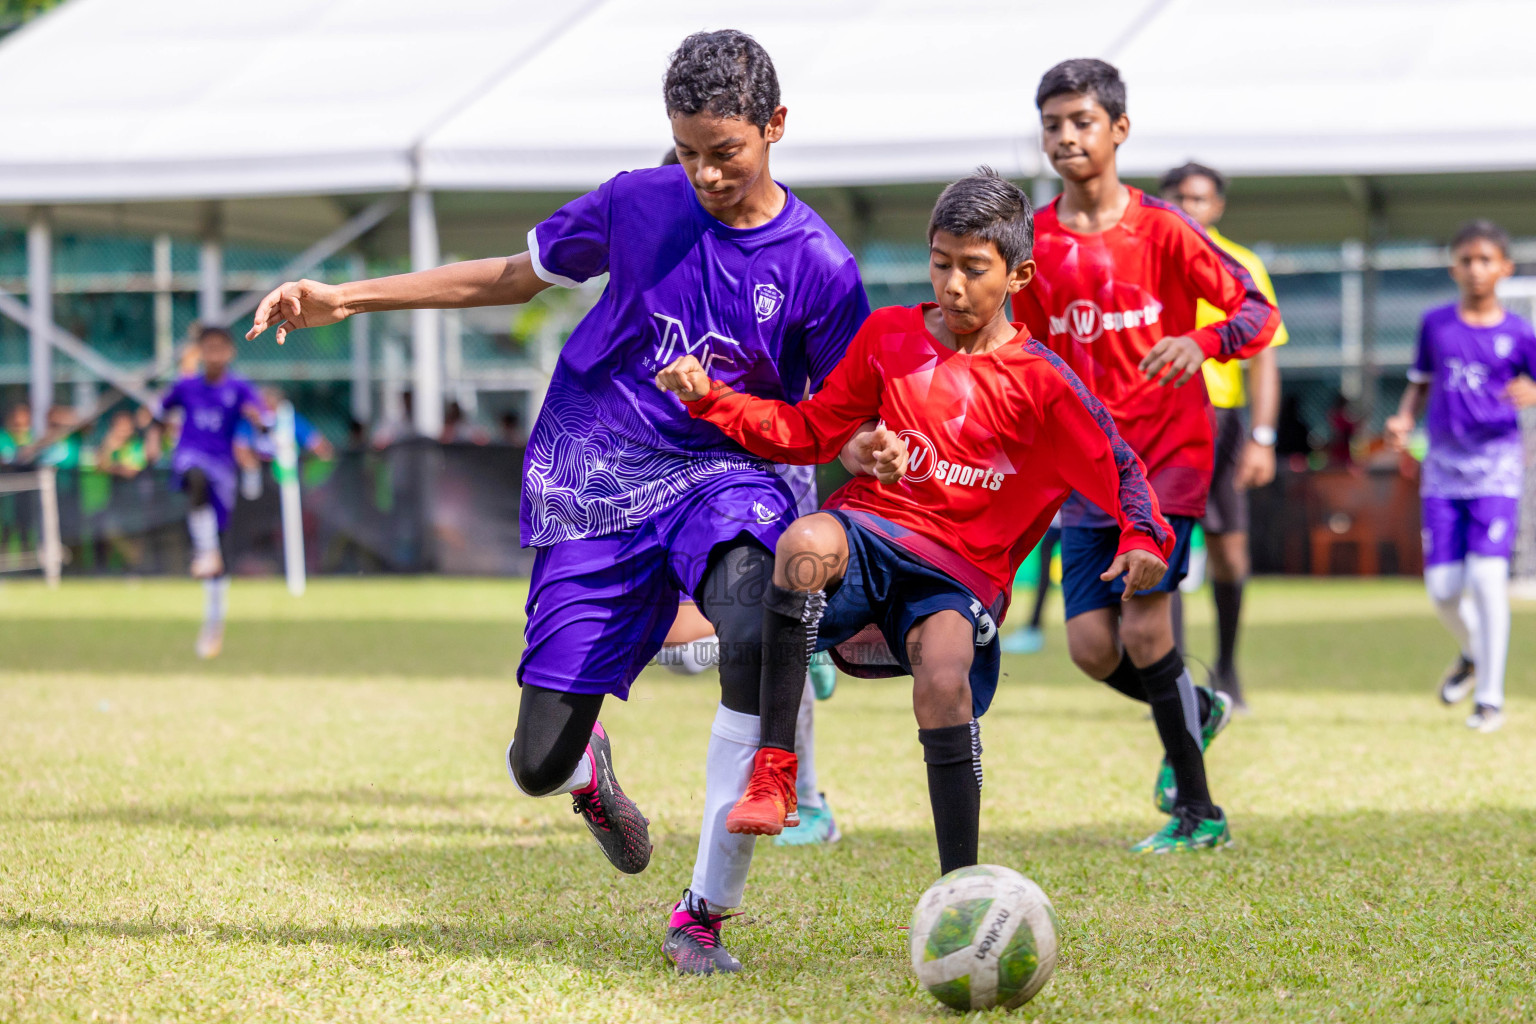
[773,131]
[1020,276]
[1121,129]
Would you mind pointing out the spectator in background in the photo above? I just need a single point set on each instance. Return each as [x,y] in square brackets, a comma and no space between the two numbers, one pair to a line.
[254,449]
[457,429]
[390,430]
[1342,426]
[17,433]
[1293,437]
[63,451]
[121,452]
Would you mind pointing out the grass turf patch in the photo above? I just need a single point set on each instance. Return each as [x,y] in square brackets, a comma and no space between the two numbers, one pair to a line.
[317,826]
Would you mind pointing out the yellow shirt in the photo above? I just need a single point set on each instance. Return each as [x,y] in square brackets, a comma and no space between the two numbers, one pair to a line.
[1224,381]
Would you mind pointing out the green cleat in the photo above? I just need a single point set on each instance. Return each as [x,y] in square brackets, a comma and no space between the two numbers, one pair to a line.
[816,826]
[1185,831]
[823,675]
[1165,791]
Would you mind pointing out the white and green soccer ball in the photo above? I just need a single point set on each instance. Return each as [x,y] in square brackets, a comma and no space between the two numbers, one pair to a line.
[983,936]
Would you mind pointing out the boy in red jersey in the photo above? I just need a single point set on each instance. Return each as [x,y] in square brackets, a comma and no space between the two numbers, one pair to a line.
[983,434]
[1120,275]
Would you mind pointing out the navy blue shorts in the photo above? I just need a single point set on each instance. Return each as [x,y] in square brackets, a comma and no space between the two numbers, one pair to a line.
[884,593]
[1086,552]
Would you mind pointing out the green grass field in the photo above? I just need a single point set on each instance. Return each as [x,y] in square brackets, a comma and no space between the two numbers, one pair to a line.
[317,827]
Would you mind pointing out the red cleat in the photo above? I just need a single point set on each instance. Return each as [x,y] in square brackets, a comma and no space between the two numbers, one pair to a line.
[769,804]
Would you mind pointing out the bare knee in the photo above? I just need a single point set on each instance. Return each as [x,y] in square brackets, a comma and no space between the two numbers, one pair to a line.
[1146,628]
[811,554]
[942,697]
[1094,645]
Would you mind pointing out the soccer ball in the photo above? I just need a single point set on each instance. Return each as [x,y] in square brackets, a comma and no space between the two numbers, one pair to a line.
[983,936]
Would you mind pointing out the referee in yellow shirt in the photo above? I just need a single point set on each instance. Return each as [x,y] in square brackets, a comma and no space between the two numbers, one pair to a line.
[1245,445]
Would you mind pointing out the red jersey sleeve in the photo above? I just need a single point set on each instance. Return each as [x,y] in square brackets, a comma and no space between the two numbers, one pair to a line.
[809,432]
[1095,461]
[1209,273]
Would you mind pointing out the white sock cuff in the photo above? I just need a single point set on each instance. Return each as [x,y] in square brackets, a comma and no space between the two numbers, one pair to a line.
[737,726]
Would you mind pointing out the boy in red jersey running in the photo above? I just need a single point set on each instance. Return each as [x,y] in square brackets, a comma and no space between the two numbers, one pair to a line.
[1121,273]
[983,434]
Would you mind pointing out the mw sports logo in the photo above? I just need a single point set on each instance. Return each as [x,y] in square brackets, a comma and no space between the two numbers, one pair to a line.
[923,463]
[1084,322]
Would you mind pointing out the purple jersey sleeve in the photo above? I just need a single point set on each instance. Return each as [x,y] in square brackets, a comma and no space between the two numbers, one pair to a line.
[838,313]
[1423,369]
[571,246]
[1528,351]
[172,399]
[250,396]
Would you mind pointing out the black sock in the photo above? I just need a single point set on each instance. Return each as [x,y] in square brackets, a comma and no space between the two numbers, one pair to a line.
[1176,610]
[1229,607]
[1168,690]
[953,756]
[790,621]
[1127,679]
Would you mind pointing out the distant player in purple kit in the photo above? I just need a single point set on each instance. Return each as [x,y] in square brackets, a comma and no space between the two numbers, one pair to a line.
[1474,364]
[213,404]
[628,499]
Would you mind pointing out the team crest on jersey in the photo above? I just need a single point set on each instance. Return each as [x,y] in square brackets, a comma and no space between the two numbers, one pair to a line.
[766,300]
[1503,345]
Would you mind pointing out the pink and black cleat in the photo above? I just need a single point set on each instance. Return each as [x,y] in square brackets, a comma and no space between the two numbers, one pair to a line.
[693,939]
[612,818]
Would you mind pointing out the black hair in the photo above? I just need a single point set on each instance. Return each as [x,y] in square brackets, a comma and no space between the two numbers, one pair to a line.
[1481,230]
[1177,176]
[204,333]
[727,73]
[1085,76]
[988,206]
[669,158]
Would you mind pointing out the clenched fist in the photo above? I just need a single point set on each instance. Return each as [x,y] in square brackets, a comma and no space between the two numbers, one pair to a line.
[879,453]
[685,378]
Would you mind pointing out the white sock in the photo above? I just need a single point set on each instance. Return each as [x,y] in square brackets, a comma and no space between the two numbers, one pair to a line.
[203,525]
[215,600]
[695,656]
[720,871]
[1488,586]
[807,792]
[1445,583]
[582,776]
[250,483]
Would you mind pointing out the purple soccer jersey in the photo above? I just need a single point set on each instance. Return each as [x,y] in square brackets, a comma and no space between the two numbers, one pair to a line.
[769,310]
[1474,429]
[212,413]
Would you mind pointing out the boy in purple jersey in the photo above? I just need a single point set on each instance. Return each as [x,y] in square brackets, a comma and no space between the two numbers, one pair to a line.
[1474,364]
[628,499]
[213,404]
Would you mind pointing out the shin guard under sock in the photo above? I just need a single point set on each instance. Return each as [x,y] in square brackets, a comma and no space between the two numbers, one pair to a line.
[953,756]
[1127,679]
[791,619]
[1176,710]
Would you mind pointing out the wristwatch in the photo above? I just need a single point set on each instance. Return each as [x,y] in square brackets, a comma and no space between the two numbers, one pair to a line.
[1264,436]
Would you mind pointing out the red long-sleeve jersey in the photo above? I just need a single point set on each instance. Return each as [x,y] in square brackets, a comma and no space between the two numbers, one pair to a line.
[996,441]
[1102,301]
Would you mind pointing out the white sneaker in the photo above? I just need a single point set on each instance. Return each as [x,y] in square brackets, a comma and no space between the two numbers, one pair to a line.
[1485,718]
[207,564]
[210,640]
[1459,681]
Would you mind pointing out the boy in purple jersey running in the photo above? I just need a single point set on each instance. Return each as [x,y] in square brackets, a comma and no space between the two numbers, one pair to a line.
[1474,364]
[628,499]
[213,404]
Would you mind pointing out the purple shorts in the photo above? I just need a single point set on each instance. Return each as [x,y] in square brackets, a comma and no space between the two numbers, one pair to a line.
[599,608]
[223,479]
[1457,527]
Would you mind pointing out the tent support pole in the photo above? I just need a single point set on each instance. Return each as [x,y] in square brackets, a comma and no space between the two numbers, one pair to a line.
[362,362]
[210,267]
[426,324]
[39,321]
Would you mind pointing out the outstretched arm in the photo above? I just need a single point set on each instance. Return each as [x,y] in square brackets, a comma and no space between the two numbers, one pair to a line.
[502,281]
[808,433]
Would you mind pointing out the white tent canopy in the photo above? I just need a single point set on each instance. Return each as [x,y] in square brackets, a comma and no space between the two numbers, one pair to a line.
[125,100]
